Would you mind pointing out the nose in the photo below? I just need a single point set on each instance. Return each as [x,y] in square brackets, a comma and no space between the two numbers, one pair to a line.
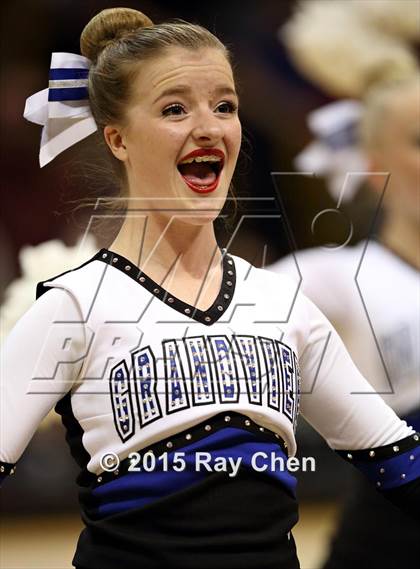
[207,127]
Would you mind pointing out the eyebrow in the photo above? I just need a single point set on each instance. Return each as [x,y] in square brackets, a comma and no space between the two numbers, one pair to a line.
[186,89]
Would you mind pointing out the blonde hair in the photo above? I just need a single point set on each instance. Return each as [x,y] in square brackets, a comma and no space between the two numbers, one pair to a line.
[356,49]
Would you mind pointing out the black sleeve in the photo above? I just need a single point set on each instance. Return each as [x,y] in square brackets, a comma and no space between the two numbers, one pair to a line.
[394,469]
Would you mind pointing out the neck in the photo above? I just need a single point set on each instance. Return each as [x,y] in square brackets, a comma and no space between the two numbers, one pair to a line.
[161,246]
[401,235]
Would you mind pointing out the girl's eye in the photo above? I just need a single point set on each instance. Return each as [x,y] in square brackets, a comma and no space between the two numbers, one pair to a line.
[175,109]
[227,107]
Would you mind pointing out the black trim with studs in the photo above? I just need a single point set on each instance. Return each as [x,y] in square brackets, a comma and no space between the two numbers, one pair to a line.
[7,469]
[207,317]
[193,434]
[383,452]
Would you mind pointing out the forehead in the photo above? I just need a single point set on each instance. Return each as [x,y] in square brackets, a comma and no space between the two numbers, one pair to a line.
[204,66]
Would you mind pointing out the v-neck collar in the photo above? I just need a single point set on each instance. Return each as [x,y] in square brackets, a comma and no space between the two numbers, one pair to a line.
[207,317]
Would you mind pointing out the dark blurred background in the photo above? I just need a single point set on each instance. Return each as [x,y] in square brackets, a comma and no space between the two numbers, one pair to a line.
[37,203]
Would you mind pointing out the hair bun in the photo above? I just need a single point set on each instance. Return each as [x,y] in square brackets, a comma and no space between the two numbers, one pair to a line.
[107,26]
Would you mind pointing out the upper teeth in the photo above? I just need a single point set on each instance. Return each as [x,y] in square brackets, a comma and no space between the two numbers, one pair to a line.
[210,158]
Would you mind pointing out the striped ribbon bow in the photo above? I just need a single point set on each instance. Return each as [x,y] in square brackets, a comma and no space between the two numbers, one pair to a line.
[63,109]
[336,151]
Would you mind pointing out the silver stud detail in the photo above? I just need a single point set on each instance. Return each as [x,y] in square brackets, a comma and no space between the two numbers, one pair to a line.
[227,418]
[378,484]
[115,259]
[276,435]
[395,448]
[207,319]
[349,456]
[170,299]
[372,453]
[230,262]
[226,296]
[1,468]
[187,311]
[207,428]
[262,429]
[142,279]
[381,470]
[127,267]
[156,290]
[13,470]
[169,444]
[220,308]
[188,437]
[248,423]
[416,437]
[403,476]
[229,283]
[104,256]
[230,273]
[99,479]
[116,472]
[411,456]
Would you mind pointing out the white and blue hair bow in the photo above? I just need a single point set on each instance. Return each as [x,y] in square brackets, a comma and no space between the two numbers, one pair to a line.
[336,152]
[62,109]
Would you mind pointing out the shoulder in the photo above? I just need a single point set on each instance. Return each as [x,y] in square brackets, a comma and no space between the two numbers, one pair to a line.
[262,279]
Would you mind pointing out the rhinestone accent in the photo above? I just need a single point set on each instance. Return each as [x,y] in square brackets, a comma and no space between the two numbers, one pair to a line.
[99,479]
[127,267]
[188,437]
[220,308]
[248,423]
[381,470]
[349,456]
[395,448]
[207,428]
[169,444]
[403,476]
[372,453]
[227,418]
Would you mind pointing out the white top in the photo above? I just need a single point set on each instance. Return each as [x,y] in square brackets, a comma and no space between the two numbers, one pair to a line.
[372,297]
[140,368]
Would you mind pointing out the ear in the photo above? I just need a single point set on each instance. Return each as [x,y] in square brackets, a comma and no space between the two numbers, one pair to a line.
[115,140]
[377,174]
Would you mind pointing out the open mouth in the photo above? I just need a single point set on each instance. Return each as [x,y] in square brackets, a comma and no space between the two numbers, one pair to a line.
[201,173]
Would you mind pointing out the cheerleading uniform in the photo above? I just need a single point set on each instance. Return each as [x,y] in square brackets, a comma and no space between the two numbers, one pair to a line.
[135,371]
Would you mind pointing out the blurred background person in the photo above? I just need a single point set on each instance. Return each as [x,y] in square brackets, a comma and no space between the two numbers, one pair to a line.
[370,291]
